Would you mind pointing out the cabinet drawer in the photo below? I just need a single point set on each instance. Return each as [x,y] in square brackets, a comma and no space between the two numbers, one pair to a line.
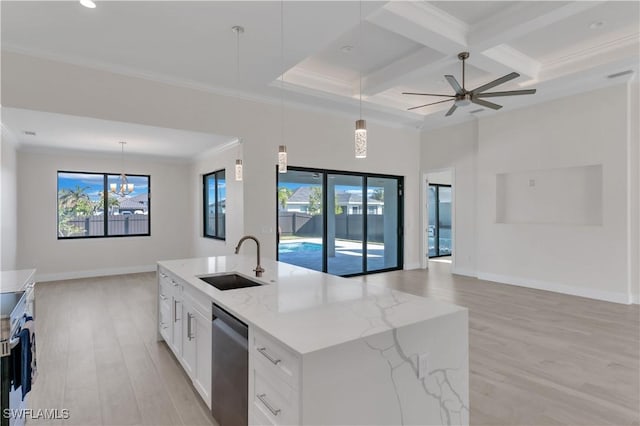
[164,318]
[272,401]
[171,283]
[272,356]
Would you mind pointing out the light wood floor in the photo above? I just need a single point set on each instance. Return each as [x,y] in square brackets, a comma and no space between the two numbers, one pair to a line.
[536,358]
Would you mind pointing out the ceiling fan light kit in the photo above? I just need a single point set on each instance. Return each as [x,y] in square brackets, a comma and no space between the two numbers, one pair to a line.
[464,97]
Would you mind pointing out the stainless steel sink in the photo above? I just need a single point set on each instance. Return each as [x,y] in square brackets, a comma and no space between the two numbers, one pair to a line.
[229,281]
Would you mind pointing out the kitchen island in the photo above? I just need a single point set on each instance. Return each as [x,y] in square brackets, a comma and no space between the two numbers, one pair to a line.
[322,349]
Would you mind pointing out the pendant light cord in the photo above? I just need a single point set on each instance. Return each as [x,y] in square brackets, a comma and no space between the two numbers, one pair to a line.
[360,51]
[282,70]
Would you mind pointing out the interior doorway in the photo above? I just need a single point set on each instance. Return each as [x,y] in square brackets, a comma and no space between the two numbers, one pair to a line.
[438,217]
[439,228]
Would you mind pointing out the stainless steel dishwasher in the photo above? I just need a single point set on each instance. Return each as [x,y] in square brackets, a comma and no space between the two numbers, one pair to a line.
[229,369]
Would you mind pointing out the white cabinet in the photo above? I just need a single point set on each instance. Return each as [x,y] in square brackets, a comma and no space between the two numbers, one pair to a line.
[184,322]
[197,342]
[274,382]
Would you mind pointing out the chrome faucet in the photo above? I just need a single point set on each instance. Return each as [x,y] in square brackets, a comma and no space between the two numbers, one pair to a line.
[259,269]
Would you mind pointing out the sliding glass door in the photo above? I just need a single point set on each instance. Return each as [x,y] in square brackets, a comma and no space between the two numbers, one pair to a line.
[300,219]
[439,199]
[343,223]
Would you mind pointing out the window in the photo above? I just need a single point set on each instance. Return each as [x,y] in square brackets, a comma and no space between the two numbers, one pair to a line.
[215,204]
[333,221]
[86,208]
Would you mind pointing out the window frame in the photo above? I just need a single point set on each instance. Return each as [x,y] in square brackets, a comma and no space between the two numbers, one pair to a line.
[205,203]
[366,176]
[105,186]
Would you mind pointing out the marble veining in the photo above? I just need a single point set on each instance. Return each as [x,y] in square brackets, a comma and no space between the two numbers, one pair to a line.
[436,384]
[308,310]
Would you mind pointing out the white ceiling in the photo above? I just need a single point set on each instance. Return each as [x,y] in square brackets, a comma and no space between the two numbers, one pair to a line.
[93,135]
[406,46]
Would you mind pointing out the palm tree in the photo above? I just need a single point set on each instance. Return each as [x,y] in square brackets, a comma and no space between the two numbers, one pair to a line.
[283,196]
[74,200]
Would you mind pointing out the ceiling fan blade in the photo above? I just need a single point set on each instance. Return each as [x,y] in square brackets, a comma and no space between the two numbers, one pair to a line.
[451,110]
[508,93]
[454,83]
[428,94]
[433,103]
[496,82]
[485,103]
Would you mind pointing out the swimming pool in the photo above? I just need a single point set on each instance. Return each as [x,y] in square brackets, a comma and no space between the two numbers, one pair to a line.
[299,247]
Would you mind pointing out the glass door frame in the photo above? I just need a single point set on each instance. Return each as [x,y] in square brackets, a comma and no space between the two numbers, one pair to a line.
[325,173]
[436,236]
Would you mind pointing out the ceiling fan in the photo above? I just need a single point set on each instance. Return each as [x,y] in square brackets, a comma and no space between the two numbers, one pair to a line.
[464,97]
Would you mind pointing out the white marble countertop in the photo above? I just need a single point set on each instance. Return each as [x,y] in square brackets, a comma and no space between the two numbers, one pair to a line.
[12,281]
[304,309]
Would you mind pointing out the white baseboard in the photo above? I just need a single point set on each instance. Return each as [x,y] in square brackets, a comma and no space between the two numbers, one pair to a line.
[57,276]
[412,265]
[465,272]
[635,299]
[608,296]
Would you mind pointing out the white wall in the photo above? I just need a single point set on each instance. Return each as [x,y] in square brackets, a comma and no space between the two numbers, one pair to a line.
[456,147]
[634,189]
[234,214]
[38,246]
[8,201]
[313,138]
[593,128]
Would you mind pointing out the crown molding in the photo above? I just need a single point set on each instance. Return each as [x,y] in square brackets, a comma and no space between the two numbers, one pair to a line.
[305,77]
[193,85]
[217,149]
[590,52]
[398,118]
[513,59]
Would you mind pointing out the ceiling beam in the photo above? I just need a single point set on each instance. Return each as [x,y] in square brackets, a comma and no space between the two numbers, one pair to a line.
[423,62]
[521,19]
[425,24]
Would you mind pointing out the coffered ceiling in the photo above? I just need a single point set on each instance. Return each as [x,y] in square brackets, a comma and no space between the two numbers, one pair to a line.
[559,47]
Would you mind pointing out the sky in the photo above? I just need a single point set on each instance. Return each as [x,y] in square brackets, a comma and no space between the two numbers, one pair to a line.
[94,183]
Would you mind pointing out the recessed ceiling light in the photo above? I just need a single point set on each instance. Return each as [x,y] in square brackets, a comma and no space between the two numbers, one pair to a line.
[88,3]
[29,133]
[596,24]
[346,49]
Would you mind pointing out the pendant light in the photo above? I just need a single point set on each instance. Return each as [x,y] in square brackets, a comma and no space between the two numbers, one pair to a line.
[237,29]
[282,149]
[361,125]
[125,188]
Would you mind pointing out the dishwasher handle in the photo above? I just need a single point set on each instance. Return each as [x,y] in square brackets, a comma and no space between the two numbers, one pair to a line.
[234,323]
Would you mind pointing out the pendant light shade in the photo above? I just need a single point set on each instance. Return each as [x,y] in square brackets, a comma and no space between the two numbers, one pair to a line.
[282,159]
[361,139]
[239,170]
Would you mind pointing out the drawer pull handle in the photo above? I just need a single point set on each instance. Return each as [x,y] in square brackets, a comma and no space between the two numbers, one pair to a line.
[274,361]
[163,297]
[163,275]
[175,284]
[189,318]
[261,397]
[175,311]
[163,325]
